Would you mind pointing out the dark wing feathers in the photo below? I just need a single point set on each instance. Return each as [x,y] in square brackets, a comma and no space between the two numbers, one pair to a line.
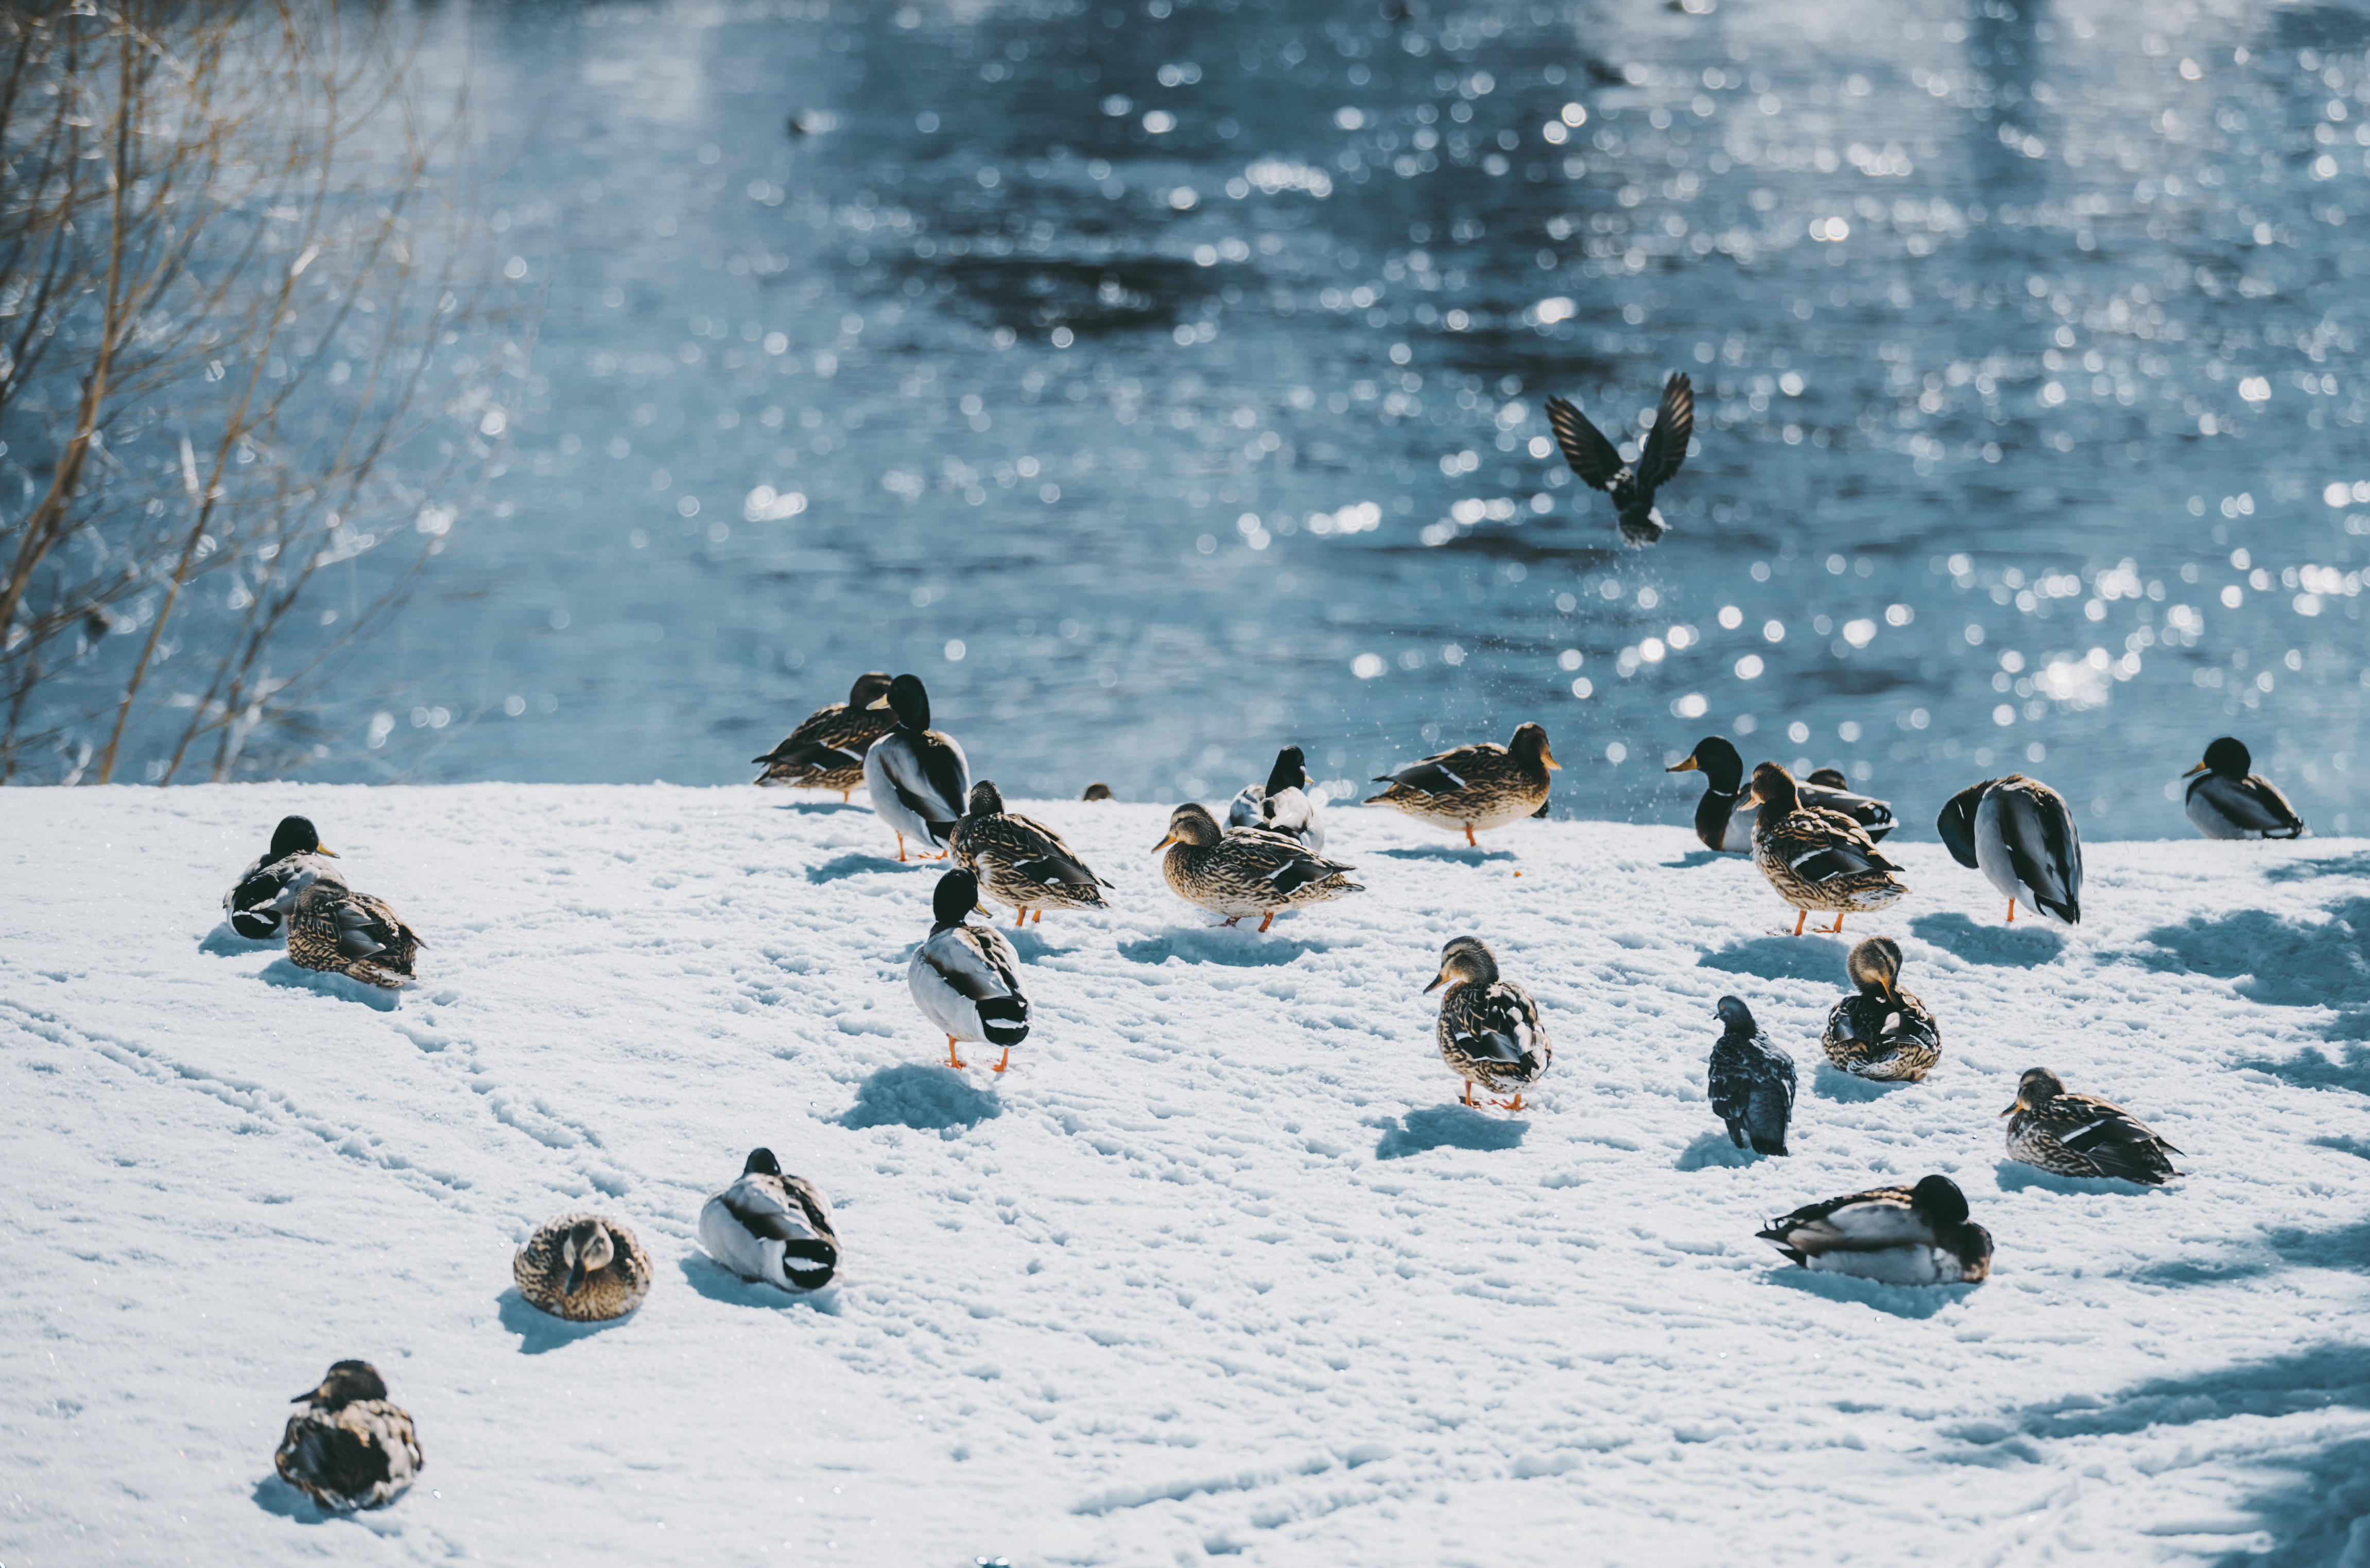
[944,773]
[1594,458]
[2267,794]
[1666,445]
[795,752]
[762,1220]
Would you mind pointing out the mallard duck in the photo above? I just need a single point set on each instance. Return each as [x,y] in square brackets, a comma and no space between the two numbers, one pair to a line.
[2081,1135]
[1475,787]
[771,1227]
[1752,1082]
[1282,804]
[1020,861]
[1488,1028]
[826,750]
[1816,860]
[965,977]
[1096,791]
[1722,801]
[1598,462]
[349,1448]
[256,903]
[584,1268]
[333,929]
[918,778]
[1880,1031]
[2020,833]
[2228,801]
[1918,1235]
[1246,872]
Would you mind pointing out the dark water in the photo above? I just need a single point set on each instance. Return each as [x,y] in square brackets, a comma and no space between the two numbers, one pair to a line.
[1162,383]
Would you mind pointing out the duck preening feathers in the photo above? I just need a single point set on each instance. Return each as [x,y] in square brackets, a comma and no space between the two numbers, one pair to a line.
[584,1268]
[350,1447]
[771,1227]
[2081,1135]
[2020,833]
[1474,787]
[1282,804]
[1752,1082]
[826,750]
[1918,1235]
[2228,800]
[965,977]
[1245,871]
[1880,1031]
[1488,1028]
[919,779]
[1723,801]
[1020,861]
[333,929]
[1816,860]
[258,902]
[1600,465]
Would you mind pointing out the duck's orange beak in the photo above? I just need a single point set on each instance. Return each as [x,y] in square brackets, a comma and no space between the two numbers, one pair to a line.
[1548,757]
[2199,769]
[1164,844]
[1438,981]
[2013,1109]
[1687,767]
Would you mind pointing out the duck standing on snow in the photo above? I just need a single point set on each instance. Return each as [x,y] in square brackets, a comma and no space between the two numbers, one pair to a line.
[1021,861]
[826,750]
[1918,1235]
[1752,1082]
[2081,1135]
[965,977]
[258,901]
[1816,860]
[1599,464]
[1248,871]
[350,1447]
[1282,804]
[1488,1028]
[1723,772]
[2020,833]
[918,778]
[1475,787]
[2225,800]
[1881,1031]
[335,930]
[583,1268]
[771,1227]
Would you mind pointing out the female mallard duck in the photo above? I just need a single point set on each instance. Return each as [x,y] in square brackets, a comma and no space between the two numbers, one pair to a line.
[2020,833]
[1723,772]
[258,901]
[1816,860]
[1752,1082]
[1475,787]
[350,1447]
[1246,872]
[1880,1031]
[1918,1235]
[2228,801]
[333,929]
[1282,804]
[918,778]
[965,977]
[2081,1135]
[1488,1028]
[1096,791]
[771,1227]
[584,1268]
[826,750]
[1020,861]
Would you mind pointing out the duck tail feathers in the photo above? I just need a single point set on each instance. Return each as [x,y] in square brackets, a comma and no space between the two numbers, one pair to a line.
[1003,1019]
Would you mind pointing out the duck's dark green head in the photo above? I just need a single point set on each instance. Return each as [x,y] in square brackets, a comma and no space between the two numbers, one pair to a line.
[908,699]
[955,897]
[1096,791]
[1829,778]
[1722,769]
[2226,758]
[762,1163]
[1939,1202]
[1291,772]
[345,1383]
[1957,823]
[295,836]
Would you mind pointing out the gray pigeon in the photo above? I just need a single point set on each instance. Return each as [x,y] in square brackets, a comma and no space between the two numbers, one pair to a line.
[1752,1082]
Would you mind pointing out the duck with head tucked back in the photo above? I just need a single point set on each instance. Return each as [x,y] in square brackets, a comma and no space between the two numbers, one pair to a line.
[1489,1027]
[1474,788]
[1816,860]
[258,902]
[826,750]
[1248,871]
[2227,799]
[1881,1031]
[351,1447]
[919,779]
[1918,1235]
[2020,833]
[1282,805]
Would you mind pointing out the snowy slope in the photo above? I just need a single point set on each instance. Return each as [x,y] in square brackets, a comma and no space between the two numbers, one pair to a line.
[1219,1269]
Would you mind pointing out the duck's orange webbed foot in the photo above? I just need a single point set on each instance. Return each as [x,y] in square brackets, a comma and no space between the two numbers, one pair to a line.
[2011,912]
[1800,916]
[953,1061]
[1832,930]
[1513,1104]
[1469,838]
[900,849]
[1004,1063]
[1469,1094]
[1267,920]
[1038,919]
[1019,917]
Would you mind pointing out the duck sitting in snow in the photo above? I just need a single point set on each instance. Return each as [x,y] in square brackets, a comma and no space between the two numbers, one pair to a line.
[965,977]
[1722,802]
[1752,1082]
[1880,1031]
[350,1447]
[1816,860]
[1096,791]
[335,930]
[583,1268]
[1020,861]
[2020,833]
[2228,800]
[2081,1135]
[826,750]
[1488,1028]
[1246,872]
[258,901]
[1474,787]
[1282,804]
[1918,1235]
[918,778]
[771,1227]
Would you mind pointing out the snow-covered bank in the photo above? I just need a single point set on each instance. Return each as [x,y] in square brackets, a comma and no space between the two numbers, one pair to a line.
[1218,1269]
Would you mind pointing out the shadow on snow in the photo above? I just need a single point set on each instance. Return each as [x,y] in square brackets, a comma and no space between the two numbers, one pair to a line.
[1899,1300]
[718,1283]
[282,971]
[927,1099]
[539,1331]
[2002,946]
[1447,1126]
[1781,958]
[1240,947]
[2279,962]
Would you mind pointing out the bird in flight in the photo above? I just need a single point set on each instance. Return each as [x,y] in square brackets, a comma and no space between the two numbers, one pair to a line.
[1631,486]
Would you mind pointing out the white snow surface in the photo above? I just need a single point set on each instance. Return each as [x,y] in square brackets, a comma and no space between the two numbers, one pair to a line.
[1219,1270]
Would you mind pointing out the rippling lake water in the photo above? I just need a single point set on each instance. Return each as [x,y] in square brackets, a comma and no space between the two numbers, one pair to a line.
[1162,383]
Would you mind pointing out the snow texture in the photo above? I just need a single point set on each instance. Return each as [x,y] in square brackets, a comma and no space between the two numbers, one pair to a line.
[1219,1269]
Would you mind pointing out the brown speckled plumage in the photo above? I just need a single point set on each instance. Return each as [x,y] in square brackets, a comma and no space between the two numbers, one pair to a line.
[350,1447]
[1245,872]
[1881,1031]
[1816,860]
[2081,1135]
[1490,1031]
[1020,861]
[1474,788]
[338,931]
[585,1267]
[826,750]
